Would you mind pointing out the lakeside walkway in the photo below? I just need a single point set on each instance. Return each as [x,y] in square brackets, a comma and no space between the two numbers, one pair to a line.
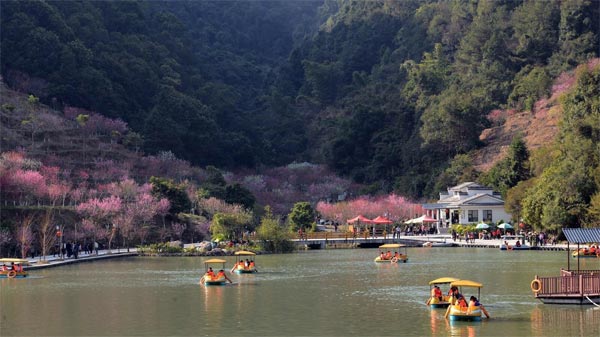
[55,260]
[328,239]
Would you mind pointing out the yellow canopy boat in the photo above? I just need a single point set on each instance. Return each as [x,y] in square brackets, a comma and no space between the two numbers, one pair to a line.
[445,300]
[463,310]
[241,266]
[13,268]
[394,257]
[210,278]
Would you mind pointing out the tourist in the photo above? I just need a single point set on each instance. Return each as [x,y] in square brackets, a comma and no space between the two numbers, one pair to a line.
[221,273]
[462,303]
[473,302]
[437,293]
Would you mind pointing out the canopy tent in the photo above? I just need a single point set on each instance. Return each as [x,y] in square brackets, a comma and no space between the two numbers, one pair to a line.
[382,220]
[360,219]
[422,219]
[505,226]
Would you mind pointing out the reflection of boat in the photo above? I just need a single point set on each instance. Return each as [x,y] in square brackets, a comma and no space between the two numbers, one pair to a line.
[211,279]
[435,302]
[240,266]
[456,312]
[571,286]
[13,268]
[394,257]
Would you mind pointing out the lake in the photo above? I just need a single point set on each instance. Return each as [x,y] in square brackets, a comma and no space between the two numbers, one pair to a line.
[313,293]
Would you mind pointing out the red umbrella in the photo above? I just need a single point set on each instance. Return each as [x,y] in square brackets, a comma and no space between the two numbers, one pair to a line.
[360,218]
[382,220]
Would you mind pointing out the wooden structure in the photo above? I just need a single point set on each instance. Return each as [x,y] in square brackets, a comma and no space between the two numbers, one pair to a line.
[572,286]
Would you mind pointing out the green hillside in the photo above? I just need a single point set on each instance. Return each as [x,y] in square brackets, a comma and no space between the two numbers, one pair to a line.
[386,93]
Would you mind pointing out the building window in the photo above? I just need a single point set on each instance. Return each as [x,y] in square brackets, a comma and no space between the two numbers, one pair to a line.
[473,215]
[487,215]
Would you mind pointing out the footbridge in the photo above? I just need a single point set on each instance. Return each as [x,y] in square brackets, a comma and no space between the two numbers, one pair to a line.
[330,240]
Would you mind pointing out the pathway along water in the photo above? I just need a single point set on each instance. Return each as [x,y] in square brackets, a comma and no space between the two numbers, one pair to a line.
[324,293]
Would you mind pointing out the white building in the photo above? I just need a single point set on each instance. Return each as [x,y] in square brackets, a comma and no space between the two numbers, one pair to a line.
[468,203]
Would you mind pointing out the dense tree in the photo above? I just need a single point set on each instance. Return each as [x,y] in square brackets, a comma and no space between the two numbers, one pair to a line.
[301,216]
[174,193]
[273,236]
[511,170]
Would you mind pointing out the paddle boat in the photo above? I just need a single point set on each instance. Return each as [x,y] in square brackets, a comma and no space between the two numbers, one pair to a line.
[438,244]
[241,266]
[434,301]
[395,257]
[463,310]
[591,251]
[13,268]
[211,278]
[516,246]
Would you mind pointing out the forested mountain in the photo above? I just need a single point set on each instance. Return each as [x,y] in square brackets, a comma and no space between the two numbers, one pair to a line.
[388,93]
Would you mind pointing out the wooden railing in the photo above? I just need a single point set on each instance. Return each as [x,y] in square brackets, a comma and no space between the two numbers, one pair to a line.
[580,284]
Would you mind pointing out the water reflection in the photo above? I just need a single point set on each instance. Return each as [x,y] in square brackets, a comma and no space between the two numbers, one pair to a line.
[464,329]
[573,320]
[213,303]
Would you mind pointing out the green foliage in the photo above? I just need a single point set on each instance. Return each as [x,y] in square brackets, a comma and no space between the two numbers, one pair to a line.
[274,238]
[530,85]
[230,225]
[460,170]
[302,215]
[175,193]
[82,119]
[385,92]
[239,195]
[562,194]
[511,170]
[160,248]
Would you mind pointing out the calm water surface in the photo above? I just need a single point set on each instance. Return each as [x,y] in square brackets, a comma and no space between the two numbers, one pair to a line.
[313,293]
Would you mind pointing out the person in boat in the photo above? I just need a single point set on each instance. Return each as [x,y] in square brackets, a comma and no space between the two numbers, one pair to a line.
[388,255]
[473,302]
[396,255]
[453,293]
[462,303]
[209,275]
[246,264]
[221,273]
[518,243]
[252,265]
[382,256]
[436,292]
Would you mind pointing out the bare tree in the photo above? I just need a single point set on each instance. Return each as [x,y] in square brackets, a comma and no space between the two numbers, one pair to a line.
[24,234]
[47,233]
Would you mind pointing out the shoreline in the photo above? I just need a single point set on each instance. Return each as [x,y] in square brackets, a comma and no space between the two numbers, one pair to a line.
[55,261]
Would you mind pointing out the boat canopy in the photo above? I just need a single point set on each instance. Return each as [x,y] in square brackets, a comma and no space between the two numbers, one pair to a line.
[443,280]
[244,252]
[392,245]
[215,261]
[582,235]
[466,283]
[14,260]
